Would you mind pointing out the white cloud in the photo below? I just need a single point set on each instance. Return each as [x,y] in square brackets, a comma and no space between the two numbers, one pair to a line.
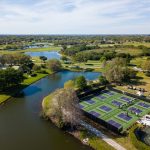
[74,16]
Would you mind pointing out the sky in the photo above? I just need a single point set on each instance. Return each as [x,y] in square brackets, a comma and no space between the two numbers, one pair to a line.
[74,16]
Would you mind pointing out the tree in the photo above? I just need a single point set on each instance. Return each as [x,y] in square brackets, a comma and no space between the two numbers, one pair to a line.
[62,106]
[146,65]
[64,58]
[15,59]
[80,82]
[130,74]
[69,84]
[36,68]
[102,59]
[43,58]
[115,70]
[102,80]
[2,60]
[54,65]
[126,56]
[9,78]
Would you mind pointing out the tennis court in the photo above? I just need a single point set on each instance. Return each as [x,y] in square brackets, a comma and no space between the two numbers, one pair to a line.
[114,110]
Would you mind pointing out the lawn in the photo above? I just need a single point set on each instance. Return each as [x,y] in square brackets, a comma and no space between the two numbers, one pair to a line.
[138,61]
[142,81]
[112,106]
[90,64]
[131,51]
[94,141]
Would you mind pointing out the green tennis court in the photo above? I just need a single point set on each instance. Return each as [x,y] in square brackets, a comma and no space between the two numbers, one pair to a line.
[116,110]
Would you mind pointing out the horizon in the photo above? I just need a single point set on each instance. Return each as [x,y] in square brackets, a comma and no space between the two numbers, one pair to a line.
[74,17]
[75,34]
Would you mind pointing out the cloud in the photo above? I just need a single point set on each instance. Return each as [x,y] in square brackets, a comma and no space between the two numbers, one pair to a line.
[74,16]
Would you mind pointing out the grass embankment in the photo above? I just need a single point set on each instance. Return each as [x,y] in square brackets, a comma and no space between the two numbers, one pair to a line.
[51,48]
[4,96]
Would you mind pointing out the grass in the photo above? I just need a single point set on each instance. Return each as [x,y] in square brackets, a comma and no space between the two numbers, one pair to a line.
[131,142]
[29,80]
[51,48]
[94,141]
[131,51]
[138,43]
[90,64]
[138,61]
[137,143]
[142,81]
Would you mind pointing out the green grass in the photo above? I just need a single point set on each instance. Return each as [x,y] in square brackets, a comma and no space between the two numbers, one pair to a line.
[131,51]
[115,110]
[94,141]
[29,80]
[138,61]
[90,64]
[138,43]
[137,143]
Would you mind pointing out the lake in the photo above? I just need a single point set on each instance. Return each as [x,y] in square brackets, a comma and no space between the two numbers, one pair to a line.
[48,54]
[21,128]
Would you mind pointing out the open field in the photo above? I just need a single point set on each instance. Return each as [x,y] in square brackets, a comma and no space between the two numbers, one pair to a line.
[138,61]
[147,44]
[131,51]
[117,111]
[90,64]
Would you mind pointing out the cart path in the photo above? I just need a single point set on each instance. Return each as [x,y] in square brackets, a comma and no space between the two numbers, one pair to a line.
[103,136]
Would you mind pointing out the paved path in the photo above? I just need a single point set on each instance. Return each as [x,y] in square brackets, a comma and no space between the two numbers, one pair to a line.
[103,136]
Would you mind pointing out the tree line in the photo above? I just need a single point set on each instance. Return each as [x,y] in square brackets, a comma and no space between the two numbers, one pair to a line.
[14,59]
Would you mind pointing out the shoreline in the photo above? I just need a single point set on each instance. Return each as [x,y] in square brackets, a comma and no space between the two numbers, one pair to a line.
[19,90]
[26,85]
[81,134]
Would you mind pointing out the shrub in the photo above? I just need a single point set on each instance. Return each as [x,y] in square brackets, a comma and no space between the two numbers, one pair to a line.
[36,68]
[54,65]
[33,75]
[102,80]
[80,82]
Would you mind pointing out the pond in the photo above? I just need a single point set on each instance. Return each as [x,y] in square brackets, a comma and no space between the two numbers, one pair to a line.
[48,54]
[21,128]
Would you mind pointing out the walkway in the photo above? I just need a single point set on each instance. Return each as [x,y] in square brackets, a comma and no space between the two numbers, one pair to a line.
[103,136]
